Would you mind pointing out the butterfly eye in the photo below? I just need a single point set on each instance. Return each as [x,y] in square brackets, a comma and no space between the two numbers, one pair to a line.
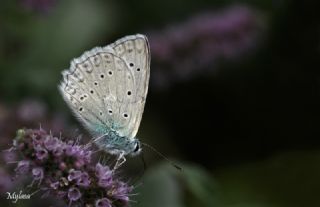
[137,148]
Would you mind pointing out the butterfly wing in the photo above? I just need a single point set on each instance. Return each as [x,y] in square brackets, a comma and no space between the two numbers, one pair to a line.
[135,51]
[102,90]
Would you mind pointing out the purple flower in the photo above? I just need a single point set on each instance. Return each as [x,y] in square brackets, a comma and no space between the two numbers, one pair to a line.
[62,166]
[74,194]
[23,167]
[51,143]
[74,150]
[54,185]
[103,202]
[69,150]
[37,139]
[41,153]
[57,152]
[121,191]
[74,175]
[37,173]
[86,156]
[105,181]
[101,170]
[83,180]
[104,175]
[79,163]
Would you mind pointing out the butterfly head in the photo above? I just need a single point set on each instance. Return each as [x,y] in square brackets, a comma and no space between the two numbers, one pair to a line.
[135,147]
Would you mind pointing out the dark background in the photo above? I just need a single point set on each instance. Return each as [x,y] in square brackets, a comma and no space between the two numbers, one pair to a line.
[242,119]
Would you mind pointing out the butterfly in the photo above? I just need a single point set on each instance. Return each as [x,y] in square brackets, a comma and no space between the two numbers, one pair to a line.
[106,89]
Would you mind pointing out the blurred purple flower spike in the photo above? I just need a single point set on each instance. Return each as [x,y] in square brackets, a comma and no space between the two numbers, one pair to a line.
[70,174]
[42,6]
[183,50]
[31,110]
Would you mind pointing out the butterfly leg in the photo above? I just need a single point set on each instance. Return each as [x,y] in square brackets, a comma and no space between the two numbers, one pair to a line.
[120,160]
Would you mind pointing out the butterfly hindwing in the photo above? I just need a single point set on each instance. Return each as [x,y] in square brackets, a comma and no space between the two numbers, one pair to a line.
[134,50]
[91,89]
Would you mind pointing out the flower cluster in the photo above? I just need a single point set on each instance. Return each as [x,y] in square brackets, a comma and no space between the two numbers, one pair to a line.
[65,170]
[28,113]
[182,50]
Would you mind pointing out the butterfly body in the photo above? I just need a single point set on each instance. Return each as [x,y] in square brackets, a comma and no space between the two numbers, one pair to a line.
[106,89]
[115,144]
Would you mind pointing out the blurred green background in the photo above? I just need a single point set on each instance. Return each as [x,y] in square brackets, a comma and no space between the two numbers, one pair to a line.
[234,92]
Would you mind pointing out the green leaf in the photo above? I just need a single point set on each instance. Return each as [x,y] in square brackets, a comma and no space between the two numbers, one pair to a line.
[165,186]
[160,188]
[201,185]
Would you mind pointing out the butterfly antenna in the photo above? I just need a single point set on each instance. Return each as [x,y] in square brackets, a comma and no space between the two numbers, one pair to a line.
[144,163]
[162,155]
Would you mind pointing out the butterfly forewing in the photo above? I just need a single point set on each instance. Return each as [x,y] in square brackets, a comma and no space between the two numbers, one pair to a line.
[106,87]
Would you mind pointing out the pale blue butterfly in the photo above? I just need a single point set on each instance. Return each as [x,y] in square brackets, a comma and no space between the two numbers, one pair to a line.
[106,88]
